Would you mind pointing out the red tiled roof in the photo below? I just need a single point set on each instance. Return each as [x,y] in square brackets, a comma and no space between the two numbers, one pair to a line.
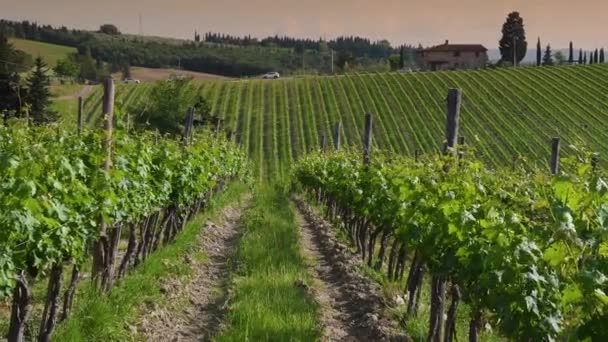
[457,47]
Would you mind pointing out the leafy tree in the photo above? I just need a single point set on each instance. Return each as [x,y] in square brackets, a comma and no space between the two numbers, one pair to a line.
[88,68]
[394,62]
[560,58]
[548,56]
[571,54]
[67,68]
[166,109]
[513,44]
[602,56]
[109,29]
[344,59]
[38,93]
[538,53]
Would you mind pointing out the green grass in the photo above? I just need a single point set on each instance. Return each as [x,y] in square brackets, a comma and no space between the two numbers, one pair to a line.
[105,318]
[505,112]
[65,89]
[51,53]
[67,111]
[267,306]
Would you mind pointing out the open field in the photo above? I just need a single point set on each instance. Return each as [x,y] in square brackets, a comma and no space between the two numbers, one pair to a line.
[51,53]
[506,113]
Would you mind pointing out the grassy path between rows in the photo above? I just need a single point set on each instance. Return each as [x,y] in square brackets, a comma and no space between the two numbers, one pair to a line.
[267,305]
[100,318]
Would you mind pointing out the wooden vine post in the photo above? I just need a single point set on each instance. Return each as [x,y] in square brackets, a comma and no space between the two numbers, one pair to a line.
[438,281]
[188,124]
[101,271]
[80,110]
[337,129]
[367,139]
[554,163]
[453,120]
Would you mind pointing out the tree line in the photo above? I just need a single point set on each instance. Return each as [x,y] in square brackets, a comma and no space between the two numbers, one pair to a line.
[357,46]
[513,47]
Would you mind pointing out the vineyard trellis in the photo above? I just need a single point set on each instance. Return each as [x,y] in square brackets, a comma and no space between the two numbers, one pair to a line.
[525,249]
[65,192]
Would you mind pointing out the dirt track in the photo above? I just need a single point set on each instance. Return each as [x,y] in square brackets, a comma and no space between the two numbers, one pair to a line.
[351,305]
[152,74]
[205,294]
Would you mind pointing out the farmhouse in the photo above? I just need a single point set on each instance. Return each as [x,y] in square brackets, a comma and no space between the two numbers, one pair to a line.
[452,56]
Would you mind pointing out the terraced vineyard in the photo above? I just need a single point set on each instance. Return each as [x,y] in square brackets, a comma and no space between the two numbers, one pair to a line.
[505,113]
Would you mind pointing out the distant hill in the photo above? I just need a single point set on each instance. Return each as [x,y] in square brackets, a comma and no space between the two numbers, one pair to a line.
[218,53]
[51,53]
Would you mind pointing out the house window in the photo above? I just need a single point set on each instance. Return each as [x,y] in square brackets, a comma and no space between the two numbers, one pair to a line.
[476,53]
[456,53]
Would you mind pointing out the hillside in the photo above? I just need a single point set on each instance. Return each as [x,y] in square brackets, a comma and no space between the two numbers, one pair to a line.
[505,113]
[51,53]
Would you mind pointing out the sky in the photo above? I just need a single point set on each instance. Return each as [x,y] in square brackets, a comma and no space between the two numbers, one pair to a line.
[428,22]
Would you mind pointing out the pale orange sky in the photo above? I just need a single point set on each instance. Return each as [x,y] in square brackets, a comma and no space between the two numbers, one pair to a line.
[400,21]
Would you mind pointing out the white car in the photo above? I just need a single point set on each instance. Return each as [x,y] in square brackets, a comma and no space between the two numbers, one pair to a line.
[131,80]
[271,76]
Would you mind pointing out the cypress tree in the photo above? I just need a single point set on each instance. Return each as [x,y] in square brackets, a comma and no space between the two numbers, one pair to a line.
[596,58]
[38,93]
[602,57]
[513,33]
[548,57]
[580,56]
[590,57]
[585,58]
[538,53]
[571,54]
[402,57]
